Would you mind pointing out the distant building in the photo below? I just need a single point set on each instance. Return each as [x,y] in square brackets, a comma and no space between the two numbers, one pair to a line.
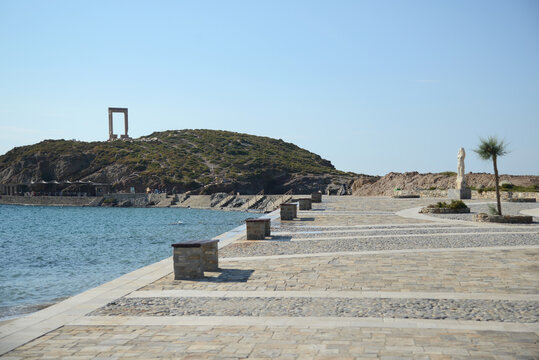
[56,188]
[13,189]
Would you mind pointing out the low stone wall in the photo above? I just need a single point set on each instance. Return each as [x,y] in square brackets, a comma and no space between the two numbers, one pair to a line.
[428,210]
[523,200]
[126,196]
[403,194]
[504,195]
[433,193]
[476,195]
[506,219]
[137,200]
[48,200]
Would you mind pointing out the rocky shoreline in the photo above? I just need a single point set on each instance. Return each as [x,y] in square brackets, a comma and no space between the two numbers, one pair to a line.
[218,201]
[418,183]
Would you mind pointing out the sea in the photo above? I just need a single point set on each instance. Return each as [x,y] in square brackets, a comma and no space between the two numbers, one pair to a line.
[50,253]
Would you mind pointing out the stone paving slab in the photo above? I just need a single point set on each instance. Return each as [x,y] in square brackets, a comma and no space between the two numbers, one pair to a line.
[346,203]
[389,232]
[323,220]
[458,271]
[298,227]
[27,328]
[333,294]
[269,342]
[389,236]
[311,322]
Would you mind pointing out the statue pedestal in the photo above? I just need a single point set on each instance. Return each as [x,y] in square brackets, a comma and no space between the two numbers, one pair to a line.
[459,194]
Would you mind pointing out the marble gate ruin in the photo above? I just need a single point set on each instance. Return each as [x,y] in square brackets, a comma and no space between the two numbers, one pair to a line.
[113,136]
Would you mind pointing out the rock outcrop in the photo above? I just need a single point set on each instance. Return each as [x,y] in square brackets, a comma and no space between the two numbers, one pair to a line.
[385,185]
[194,161]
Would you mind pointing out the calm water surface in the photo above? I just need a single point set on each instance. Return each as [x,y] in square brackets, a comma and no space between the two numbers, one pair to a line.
[49,253]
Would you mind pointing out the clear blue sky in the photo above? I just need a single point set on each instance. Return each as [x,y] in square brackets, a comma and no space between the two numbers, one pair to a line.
[373,86]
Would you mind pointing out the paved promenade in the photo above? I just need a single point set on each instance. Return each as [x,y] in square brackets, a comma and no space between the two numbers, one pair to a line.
[352,278]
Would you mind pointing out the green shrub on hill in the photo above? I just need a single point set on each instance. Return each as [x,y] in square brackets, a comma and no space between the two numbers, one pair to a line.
[185,158]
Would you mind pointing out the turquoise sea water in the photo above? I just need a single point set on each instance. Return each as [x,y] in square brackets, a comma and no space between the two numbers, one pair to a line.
[49,253]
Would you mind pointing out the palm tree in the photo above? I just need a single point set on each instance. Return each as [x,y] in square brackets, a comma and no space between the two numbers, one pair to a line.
[492,148]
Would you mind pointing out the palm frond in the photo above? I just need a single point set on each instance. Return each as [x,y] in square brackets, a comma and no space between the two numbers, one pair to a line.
[491,147]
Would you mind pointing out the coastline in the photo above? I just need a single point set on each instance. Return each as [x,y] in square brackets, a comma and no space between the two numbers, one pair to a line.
[29,309]
[28,301]
[219,201]
[18,331]
[248,203]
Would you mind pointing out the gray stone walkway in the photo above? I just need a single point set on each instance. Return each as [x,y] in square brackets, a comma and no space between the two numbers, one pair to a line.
[352,278]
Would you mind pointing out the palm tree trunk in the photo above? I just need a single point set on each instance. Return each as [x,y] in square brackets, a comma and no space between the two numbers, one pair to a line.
[497,184]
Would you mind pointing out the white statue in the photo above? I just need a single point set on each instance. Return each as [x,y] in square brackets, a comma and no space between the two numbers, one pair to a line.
[461,182]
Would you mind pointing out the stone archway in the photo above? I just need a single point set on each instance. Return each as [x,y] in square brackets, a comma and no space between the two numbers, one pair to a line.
[113,136]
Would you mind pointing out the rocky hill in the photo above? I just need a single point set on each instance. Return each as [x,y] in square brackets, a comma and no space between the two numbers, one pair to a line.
[202,161]
[366,185]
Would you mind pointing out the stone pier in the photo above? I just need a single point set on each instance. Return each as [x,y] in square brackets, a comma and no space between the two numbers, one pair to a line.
[316,197]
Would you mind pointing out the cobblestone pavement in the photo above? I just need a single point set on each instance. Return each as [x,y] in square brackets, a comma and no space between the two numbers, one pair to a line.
[478,310]
[392,231]
[377,242]
[349,279]
[351,219]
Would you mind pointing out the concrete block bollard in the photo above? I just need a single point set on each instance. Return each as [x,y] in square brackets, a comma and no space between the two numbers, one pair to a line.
[187,262]
[316,197]
[289,211]
[305,204]
[192,258]
[256,229]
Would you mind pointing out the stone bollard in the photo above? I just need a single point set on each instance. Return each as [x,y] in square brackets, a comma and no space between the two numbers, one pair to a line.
[316,197]
[305,204]
[267,226]
[187,261]
[289,211]
[192,258]
[256,229]
[210,255]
